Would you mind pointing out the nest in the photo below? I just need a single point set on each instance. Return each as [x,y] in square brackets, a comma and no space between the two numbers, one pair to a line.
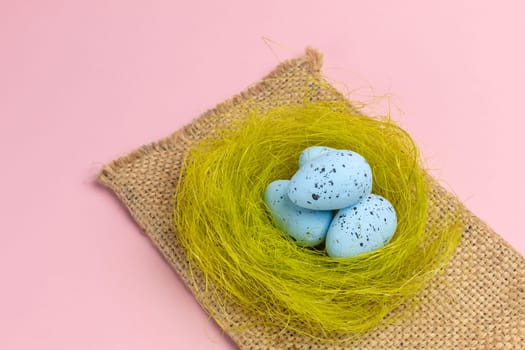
[228,234]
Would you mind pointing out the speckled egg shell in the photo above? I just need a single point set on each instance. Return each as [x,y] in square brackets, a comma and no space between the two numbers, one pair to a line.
[334,180]
[310,153]
[361,228]
[307,227]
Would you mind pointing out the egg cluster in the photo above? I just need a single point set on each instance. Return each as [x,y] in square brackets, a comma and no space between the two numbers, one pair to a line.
[328,182]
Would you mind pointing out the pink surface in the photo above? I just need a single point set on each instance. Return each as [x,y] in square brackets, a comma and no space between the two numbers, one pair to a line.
[82,82]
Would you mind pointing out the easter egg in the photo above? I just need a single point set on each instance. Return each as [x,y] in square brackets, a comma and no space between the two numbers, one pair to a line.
[334,180]
[361,228]
[307,227]
[311,153]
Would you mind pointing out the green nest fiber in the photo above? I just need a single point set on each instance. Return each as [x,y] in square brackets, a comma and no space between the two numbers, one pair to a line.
[228,234]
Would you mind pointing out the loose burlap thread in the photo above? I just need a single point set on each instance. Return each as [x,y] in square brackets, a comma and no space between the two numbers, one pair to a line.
[477,302]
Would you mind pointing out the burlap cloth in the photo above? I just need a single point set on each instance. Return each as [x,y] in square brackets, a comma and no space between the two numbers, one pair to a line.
[478,302]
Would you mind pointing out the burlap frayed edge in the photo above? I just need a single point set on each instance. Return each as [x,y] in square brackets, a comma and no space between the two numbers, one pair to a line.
[312,61]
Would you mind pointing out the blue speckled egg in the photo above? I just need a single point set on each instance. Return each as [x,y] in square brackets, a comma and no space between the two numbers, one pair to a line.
[361,228]
[307,227]
[334,180]
[313,152]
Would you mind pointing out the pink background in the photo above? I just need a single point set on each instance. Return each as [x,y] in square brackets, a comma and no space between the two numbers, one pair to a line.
[82,82]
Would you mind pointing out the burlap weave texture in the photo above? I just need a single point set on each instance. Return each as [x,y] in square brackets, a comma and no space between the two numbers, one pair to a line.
[478,302]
